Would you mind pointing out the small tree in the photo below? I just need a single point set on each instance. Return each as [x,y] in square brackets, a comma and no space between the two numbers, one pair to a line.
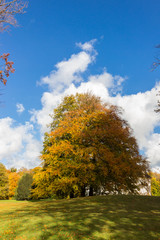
[4,186]
[23,191]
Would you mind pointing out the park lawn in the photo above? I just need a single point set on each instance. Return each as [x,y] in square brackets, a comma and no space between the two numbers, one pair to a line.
[99,218]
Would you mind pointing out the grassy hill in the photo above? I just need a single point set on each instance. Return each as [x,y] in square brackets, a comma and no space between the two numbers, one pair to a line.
[98,218]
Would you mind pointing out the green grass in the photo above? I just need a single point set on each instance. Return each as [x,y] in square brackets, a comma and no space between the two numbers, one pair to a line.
[96,218]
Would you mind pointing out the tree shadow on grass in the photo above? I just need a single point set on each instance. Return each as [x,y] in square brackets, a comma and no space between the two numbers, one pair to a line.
[99,218]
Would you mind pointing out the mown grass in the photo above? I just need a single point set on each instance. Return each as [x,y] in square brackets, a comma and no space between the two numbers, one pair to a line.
[96,218]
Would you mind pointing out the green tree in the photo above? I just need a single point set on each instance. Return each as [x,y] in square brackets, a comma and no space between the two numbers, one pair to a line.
[13,169]
[23,191]
[89,146]
[4,183]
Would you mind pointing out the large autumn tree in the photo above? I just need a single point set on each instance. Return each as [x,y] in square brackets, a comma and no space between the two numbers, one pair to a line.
[89,146]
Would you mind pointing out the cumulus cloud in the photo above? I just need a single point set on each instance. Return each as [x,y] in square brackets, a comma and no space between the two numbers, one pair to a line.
[153,150]
[21,147]
[112,83]
[69,71]
[20,107]
[139,111]
[138,108]
[87,46]
[42,117]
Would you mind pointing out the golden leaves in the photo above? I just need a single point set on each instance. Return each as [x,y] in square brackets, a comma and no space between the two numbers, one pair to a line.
[89,145]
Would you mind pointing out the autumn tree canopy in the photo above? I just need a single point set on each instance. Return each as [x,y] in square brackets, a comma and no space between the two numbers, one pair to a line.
[89,146]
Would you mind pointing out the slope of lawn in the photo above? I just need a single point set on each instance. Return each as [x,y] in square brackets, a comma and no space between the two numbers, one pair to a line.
[99,218]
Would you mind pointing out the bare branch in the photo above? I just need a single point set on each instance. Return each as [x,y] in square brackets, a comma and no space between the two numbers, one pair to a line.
[8,10]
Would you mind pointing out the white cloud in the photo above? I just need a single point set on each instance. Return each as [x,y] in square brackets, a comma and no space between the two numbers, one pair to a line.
[87,46]
[18,148]
[139,111]
[105,78]
[41,117]
[153,149]
[68,71]
[18,144]
[20,108]
[138,108]
[114,83]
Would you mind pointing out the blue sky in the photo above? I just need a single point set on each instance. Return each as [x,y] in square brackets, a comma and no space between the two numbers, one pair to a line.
[105,46]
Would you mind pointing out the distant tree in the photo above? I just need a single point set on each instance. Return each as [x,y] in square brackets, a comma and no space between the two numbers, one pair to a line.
[35,170]
[8,10]
[13,178]
[23,191]
[13,169]
[157,110]
[4,186]
[155,184]
[89,145]
[155,187]
[156,63]
[24,170]
[156,175]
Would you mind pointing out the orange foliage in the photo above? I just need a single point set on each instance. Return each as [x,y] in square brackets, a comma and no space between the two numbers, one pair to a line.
[8,68]
[89,145]
[13,182]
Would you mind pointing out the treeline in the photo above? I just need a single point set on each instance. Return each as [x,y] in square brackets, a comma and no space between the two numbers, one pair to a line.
[19,184]
[15,184]
[90,149]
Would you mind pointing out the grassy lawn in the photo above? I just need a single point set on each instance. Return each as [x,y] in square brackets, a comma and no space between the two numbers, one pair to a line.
[99,218]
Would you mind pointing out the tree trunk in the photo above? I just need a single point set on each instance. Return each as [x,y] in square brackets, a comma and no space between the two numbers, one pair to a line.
[72,194]
[91,191]
[83,191]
